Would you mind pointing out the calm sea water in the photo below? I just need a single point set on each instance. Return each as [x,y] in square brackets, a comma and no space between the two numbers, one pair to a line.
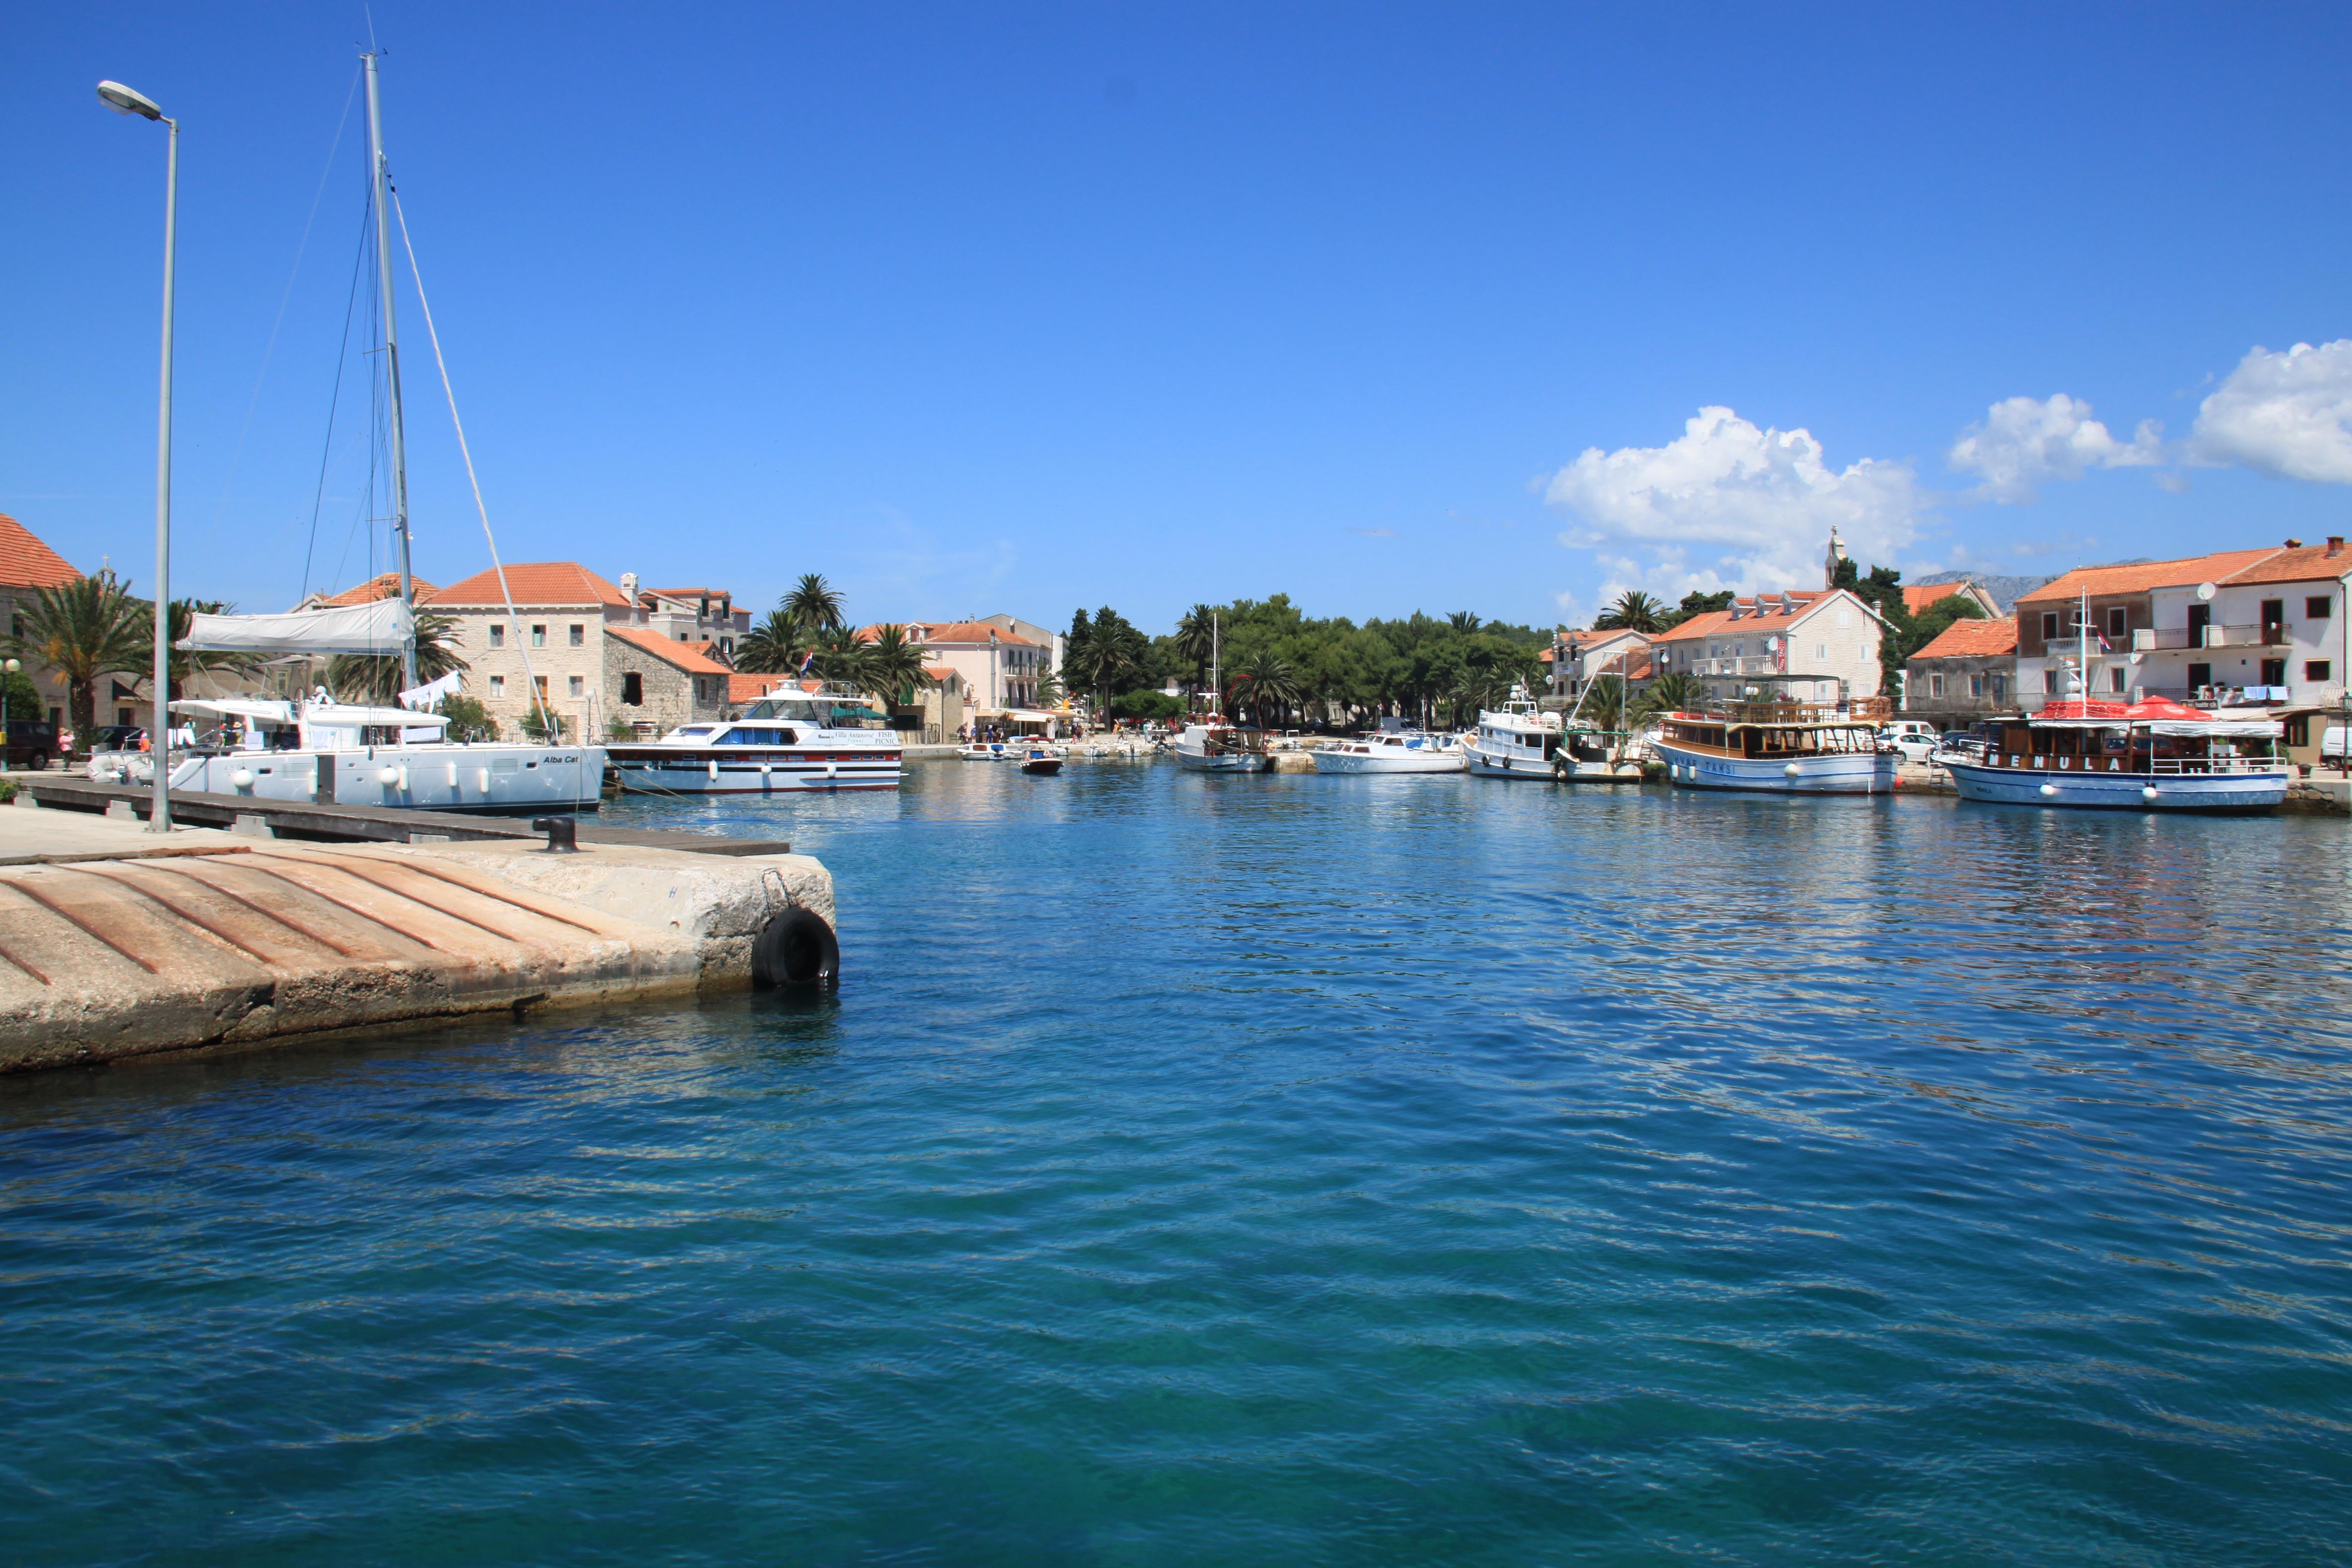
[1265,1171]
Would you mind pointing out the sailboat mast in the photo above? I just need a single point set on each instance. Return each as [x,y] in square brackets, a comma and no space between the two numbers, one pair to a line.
[380,182]
[2083,650]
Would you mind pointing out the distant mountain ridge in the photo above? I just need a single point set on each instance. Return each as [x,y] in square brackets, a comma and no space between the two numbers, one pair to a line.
[2007,591]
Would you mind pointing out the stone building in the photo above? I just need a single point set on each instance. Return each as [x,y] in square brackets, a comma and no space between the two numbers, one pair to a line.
[554,639]
[653,683]
[2236,627]
[1967,672]
[1818,645]
[28,565]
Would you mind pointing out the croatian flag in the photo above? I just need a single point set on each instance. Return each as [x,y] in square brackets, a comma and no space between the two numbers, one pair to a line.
[807,659]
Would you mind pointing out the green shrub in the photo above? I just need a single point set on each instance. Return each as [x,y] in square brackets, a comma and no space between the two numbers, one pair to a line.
[468,720]
[1145,705]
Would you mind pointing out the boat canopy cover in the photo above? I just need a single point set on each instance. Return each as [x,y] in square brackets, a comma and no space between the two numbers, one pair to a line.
[379,627]
[265,710]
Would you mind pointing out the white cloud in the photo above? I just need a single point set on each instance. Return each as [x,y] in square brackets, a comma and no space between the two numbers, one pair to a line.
[1727,505]
[2022,443]
[2288,414]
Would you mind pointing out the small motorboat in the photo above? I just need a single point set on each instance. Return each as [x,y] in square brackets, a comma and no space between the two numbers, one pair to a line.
[1040,760]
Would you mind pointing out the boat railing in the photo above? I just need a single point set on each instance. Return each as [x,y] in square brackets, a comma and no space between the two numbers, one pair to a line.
[1782,713]
[2171,767]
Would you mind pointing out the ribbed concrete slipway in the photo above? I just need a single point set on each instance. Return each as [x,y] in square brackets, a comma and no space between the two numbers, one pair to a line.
[220,943]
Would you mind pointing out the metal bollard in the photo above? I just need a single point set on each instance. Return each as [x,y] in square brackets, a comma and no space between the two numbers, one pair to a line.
[562,834]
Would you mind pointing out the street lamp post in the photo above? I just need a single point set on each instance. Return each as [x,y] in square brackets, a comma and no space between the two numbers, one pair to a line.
[125,100]
[8,668]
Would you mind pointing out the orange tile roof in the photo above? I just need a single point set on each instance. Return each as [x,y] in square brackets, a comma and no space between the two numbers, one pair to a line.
[743,688]
[1920,596]
[383,586]
[26,563]
[956,632]
[687,657]
[2303,564]
[1973,639]
[2103,580]
[535,583]
[1719,623]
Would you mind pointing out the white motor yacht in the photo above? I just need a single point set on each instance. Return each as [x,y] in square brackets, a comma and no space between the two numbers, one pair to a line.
[1393,752]
[1515,740]
[786,741]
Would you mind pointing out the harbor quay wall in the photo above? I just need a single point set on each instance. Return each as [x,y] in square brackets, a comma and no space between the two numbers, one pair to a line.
[217,944]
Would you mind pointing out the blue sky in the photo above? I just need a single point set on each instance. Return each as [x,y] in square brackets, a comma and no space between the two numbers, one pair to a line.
[976,308]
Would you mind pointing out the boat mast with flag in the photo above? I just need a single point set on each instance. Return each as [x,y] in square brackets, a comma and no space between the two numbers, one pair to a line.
[2151,755]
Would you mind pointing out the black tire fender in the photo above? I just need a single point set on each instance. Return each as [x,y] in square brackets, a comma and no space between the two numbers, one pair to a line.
[796,948]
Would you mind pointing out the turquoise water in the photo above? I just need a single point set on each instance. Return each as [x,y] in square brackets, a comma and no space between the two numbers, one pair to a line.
[1265,1169]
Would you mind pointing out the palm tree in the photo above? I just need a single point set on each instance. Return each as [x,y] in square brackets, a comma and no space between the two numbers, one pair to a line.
[1049,690]
[840,656]
[775,647]
[1603,701]
[1670,693]
[1463,621]
[894,667]
[1266,683]
[1196,641]
[814,603]
[376,678]
[1633,611]
[83,630]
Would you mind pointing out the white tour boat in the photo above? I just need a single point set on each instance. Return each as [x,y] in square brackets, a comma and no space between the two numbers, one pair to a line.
[1393,752]
[1514,741]
[1777,748]
[331,753]
[2154,755]
[1213,746]
[787,741]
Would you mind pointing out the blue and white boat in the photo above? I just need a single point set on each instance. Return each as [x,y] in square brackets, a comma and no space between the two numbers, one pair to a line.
[1775,748]
[1391,752]
[2108,756]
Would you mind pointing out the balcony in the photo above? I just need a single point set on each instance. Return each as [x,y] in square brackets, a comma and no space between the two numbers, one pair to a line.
[2267,634]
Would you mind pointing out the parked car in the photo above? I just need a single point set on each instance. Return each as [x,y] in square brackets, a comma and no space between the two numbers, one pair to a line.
[1914,738]
[31,743]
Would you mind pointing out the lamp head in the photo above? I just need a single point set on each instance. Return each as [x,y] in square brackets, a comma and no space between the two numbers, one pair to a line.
[13,666]
[128,101]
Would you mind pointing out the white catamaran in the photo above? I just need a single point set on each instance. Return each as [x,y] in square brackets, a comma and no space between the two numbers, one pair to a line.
[317,749]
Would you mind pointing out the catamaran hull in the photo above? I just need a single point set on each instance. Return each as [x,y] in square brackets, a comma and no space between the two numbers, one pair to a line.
[481,780]
[2242,791]
[685,771]
[1846,772]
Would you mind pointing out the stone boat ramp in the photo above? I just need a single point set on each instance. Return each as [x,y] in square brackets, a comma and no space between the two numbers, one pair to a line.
[116,942]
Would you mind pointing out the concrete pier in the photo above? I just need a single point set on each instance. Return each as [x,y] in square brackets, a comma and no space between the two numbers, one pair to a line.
[115,943]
